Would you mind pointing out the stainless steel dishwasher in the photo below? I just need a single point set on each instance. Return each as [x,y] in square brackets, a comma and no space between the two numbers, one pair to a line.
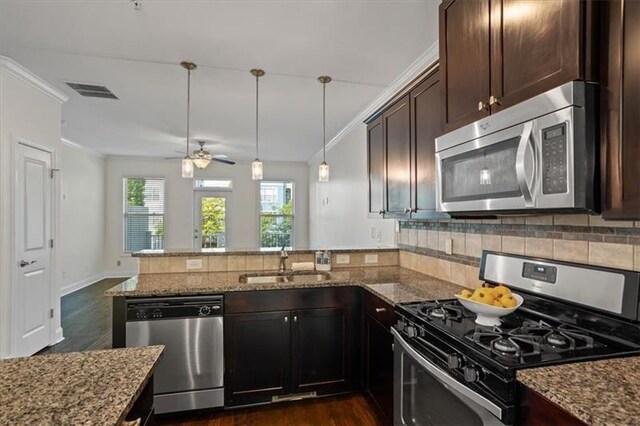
[190,374]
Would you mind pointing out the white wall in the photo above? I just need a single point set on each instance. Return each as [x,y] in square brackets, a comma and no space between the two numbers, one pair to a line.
[179,202]
[82,217]
[343,221]
[30,112]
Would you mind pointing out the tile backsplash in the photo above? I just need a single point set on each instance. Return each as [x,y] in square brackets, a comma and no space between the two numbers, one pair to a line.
[575,238]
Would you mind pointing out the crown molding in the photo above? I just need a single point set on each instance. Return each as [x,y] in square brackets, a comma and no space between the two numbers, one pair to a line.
[83,148]
[424,61]
[23,74]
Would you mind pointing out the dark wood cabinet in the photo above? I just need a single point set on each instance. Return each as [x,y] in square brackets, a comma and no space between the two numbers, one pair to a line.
[283,342]
[620,126]
[257,355]
[320,347]
[375,163]
[464,61]
[396,126]
[495,54]
[536,410]
[426,126]
[378,353]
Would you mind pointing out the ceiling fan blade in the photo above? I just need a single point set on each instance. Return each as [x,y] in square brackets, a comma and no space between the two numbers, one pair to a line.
[221,160]
[173,158]
[223,156]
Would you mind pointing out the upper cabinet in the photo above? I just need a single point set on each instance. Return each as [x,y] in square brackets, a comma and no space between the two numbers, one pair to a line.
[495,54]
[401,152]
[620,125]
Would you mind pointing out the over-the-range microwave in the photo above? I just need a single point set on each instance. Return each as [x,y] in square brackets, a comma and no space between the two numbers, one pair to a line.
[539,155]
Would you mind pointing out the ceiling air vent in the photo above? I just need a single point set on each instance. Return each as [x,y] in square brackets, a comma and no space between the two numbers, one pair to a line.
[92,90]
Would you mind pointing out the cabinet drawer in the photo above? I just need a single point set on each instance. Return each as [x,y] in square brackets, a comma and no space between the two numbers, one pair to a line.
[281,300]
[378,309]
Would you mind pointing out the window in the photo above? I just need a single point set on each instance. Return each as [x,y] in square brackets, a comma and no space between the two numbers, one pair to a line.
[211,184]
[143,201]
[276,214]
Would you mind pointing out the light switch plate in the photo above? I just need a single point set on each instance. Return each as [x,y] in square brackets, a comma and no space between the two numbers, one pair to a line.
[370,258]
[448,245]
[194,264]
[343,259]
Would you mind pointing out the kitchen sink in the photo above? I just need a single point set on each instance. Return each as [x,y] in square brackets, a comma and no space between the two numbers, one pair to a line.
[284,278]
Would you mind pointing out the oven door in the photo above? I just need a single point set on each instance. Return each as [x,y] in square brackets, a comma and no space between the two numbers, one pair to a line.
[424,394]
[493,172]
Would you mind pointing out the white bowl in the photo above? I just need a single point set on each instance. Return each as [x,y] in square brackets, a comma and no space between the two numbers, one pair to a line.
[486,314]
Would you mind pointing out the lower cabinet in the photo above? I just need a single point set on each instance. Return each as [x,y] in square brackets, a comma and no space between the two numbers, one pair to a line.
[378,353]
[306,345]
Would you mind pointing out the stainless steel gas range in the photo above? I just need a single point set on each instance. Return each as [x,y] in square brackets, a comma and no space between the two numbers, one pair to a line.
[451,371]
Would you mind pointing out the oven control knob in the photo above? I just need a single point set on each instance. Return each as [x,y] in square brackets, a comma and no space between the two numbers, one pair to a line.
[204,311]
[454,361]
[471,374]
[411,331]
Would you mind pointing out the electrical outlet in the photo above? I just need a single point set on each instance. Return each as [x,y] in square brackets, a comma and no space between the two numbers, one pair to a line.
[64,273]
[194,264]
[448,245]
[379,236]
[343,259]
[118,263]
[373,232]
[370,258]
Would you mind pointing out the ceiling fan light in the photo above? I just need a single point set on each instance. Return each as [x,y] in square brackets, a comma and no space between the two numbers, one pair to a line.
[256,169]
[201,162]
[187,167]
[323,172]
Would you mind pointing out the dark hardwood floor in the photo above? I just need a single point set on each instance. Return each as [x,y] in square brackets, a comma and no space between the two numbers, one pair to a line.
[86,319]
[347,410]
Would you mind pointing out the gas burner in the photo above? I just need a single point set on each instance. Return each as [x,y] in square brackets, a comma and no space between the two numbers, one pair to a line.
[508,344]
[504,345]
[441,311]
[556,340]
[562,338]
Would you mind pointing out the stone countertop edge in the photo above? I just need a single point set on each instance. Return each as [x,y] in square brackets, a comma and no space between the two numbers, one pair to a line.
[92,387]
[249,252]
[603,392]
[391,283]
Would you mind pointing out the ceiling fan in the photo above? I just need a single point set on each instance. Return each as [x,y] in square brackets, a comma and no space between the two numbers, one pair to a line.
[201,157]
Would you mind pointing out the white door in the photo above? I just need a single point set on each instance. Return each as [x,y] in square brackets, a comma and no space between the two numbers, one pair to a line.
[211,219]
[32,283]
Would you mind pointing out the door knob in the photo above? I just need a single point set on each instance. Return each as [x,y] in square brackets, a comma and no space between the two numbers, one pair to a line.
[24,263]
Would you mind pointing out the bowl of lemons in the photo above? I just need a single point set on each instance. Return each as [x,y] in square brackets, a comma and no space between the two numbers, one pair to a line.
[490,303]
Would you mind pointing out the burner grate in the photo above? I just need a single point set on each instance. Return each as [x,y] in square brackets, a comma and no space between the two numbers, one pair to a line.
[441,311]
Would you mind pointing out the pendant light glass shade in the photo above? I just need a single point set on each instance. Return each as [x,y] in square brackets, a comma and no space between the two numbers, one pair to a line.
[256,169]
[187,167]
[256,166]
[323,172]
[201,162]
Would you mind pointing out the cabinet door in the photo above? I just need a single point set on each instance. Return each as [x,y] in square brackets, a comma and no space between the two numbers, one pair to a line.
[321,349]
[464,61]
[426,125]
[257,356]
[535,46]
[379,365]
[375,163]
[397,138]
[620,149]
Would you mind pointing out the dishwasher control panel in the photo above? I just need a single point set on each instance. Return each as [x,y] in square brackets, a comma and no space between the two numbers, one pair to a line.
[149,309]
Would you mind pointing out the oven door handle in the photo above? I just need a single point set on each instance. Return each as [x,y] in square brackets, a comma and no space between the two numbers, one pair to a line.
[521,174]
[447,379]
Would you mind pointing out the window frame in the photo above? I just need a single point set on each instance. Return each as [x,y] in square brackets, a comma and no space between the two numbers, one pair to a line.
[293,214]
[124,213]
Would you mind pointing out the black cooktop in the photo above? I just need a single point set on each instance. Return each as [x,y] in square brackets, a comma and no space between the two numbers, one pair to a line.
[538,333]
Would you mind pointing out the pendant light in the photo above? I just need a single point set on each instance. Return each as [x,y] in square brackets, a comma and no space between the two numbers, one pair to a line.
[187,161]
[323,170]
[256,166]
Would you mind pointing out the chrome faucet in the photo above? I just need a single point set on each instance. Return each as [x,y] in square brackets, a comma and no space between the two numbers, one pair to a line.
[283,260]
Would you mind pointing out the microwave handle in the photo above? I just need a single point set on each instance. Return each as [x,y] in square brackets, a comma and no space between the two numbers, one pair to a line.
[525,187]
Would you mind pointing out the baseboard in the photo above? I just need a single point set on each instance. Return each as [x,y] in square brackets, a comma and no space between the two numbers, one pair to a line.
[81,284]
[120,274]
[58,337]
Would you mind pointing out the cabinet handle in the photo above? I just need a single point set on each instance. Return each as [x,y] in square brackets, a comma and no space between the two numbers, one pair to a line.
[482,106]
[378,310]
[414,210]
[295,319]
[381,212]
[286,319]
[494,100]
[407,210]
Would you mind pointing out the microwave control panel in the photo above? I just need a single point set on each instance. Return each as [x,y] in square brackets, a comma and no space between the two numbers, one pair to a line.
[554,159]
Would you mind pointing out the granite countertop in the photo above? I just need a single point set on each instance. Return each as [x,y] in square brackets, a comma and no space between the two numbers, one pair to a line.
[249,251]
[391,283]
[94,387]
[596,392]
